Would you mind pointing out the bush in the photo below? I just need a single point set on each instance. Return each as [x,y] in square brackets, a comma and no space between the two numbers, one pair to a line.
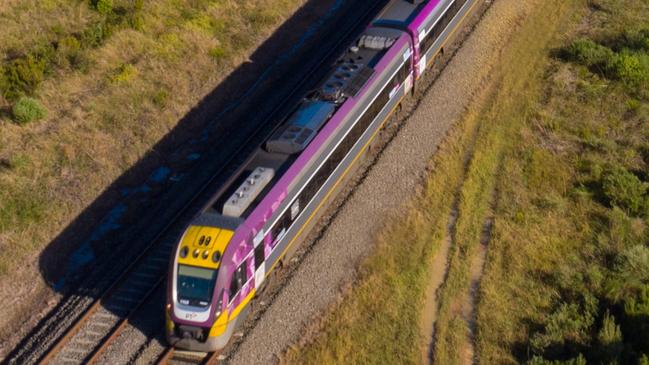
[587,53]
[104,6]
[625,190]
[217,53]
[628,68]
[27,110]
[68,52]
[610,340]
[630,273]
[624,65]
[95,35]
[634,40]
[22,77]
[160,97]
[124,73]
[636,319]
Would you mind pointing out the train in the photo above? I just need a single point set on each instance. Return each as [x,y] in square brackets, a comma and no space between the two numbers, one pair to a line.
[230,248]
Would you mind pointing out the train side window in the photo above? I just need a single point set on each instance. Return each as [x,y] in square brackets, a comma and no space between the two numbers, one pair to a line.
[259,255]
[238,279]
[442,23]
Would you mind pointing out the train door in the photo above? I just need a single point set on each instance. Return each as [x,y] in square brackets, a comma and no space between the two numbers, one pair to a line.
[421,65]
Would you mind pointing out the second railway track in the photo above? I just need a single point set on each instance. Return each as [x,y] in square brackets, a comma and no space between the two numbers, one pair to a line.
[101,323]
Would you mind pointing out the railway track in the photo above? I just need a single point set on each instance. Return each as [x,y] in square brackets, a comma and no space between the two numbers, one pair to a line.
[101,324]
[172,356]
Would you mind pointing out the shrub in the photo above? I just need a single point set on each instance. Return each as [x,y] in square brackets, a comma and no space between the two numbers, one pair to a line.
[104,6]
[124,73]
[587,53]
[644,360]
[636,319]
[68,52]
[630,273]
[628,68]
[217,53]
[624,65]
[95,35]
[21,77]
[537,360]
[634,40]
[567,326]
[27,110]
[160,97]
[610,340]
[624,189]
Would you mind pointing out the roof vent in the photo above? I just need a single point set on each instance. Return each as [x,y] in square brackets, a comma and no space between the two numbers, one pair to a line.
[248,191]
[375,42]
[301,127]
[347,73]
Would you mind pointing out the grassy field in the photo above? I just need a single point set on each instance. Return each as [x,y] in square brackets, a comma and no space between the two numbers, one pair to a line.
[567,279]
[87,87]
[75,61]
[560,163]
[521,74]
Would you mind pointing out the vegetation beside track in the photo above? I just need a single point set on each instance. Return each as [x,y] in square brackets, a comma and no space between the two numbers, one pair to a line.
[87,88]
[567,276]
[560,161]
[68,67]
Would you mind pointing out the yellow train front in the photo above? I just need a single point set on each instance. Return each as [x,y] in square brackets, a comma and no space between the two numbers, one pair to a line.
[206,292]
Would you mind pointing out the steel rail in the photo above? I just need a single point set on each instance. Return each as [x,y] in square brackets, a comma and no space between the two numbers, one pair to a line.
[114,332]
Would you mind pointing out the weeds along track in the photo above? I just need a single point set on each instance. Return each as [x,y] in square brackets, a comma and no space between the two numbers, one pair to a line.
[90,330]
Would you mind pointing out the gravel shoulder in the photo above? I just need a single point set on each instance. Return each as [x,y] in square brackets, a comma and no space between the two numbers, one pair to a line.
[316,283]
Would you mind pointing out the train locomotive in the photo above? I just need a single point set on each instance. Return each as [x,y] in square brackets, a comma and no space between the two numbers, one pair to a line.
[230,248]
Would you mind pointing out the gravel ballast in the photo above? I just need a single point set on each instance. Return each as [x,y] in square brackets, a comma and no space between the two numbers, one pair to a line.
[382,194]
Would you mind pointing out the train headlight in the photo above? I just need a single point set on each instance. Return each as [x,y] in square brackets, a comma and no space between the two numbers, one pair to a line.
[219,308]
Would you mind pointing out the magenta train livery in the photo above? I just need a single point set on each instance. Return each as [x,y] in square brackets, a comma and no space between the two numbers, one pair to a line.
[232,246]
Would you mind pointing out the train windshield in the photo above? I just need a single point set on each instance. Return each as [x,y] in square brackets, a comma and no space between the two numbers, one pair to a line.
[195,285]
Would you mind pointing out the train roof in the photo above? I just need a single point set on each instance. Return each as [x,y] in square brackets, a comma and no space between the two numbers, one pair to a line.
[415,16]
[400,12]
[348,76]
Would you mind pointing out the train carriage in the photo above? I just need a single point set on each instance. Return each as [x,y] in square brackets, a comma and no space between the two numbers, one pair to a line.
[430,23]
[230,248]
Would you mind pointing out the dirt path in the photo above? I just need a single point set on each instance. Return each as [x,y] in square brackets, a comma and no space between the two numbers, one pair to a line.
[471,300]
[438,274]
[331,263]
